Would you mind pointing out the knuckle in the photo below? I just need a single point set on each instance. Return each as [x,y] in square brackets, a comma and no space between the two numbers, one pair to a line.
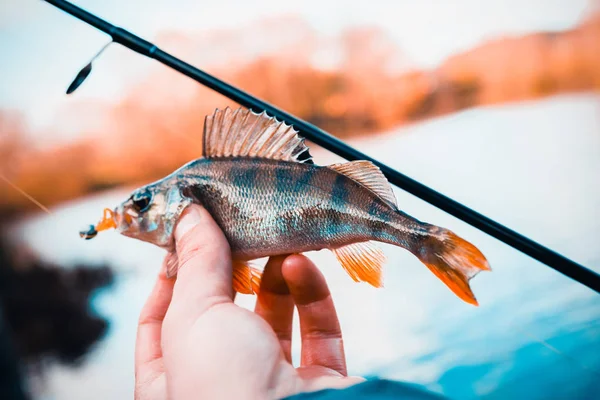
[189,252]
[284,335]
[322,333]
[195,246]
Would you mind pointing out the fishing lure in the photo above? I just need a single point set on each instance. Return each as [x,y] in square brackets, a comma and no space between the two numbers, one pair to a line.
[268,202]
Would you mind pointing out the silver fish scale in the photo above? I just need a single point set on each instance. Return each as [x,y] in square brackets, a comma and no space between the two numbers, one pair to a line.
[267,207]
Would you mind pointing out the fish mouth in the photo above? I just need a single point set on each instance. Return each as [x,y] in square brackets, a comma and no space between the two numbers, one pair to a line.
[108,221]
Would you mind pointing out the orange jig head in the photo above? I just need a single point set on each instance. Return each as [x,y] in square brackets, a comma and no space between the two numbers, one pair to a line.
[107,222]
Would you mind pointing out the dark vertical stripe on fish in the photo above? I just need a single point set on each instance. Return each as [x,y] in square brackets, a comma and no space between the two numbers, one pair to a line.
[375,214]
[302,183]
[283,179]
[244,178]
[339,201]
[339,193]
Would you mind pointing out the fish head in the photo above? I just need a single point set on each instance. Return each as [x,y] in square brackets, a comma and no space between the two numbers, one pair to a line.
[148,214]
[151,212]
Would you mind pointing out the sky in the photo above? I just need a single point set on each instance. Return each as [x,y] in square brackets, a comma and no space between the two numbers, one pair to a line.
[42,48]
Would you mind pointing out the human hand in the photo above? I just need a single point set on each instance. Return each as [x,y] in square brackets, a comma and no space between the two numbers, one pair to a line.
[194,342]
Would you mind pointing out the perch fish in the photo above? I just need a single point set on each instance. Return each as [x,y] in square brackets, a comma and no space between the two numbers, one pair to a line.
[268,201]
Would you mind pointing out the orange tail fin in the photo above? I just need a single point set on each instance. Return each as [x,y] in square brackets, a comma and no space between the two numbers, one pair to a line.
[454,260]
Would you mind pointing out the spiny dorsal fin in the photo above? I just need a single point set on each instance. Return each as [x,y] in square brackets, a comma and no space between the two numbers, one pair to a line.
[369,175]
[363,262]
[243,133]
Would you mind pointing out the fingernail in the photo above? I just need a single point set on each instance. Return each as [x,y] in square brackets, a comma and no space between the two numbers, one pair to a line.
[190,218]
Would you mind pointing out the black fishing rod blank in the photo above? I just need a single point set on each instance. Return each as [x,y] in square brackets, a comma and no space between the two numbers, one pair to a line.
[514,239]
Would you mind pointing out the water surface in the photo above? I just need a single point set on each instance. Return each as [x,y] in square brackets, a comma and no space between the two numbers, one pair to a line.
[534,167]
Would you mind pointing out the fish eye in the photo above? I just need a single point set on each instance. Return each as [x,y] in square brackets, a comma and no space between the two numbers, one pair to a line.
[141,201]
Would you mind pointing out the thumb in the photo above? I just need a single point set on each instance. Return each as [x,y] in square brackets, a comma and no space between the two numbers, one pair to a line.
[204,275]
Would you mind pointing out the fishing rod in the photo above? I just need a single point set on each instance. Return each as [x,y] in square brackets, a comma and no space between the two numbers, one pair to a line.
[514,239]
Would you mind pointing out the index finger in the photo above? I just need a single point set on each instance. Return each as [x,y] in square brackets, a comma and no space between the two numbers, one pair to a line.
[148,341]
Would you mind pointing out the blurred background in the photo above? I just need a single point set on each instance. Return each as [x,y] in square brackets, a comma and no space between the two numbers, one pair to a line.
[495,104]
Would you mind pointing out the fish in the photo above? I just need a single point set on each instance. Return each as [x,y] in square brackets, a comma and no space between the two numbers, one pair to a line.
[269,198]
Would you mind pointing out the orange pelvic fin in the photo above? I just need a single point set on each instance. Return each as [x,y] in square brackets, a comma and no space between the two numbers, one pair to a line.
[246,279]
[455,261]
[363,262]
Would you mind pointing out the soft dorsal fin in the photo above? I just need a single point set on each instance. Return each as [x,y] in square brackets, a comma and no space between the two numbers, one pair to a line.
[368,174]
[244,133]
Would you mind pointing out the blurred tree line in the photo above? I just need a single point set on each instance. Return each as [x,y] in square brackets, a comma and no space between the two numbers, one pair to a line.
[364,86]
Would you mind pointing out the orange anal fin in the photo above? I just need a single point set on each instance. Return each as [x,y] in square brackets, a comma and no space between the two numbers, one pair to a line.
[246,279]
[363,262]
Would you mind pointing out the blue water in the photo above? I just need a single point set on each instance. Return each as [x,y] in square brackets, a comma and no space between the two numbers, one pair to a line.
[534,167]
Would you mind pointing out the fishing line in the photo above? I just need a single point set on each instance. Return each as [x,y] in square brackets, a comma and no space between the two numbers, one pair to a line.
[557,351]
[318,136]
[24,193]
[573,360]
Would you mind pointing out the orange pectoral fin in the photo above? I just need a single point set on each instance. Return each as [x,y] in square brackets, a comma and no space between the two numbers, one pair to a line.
[246,279]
